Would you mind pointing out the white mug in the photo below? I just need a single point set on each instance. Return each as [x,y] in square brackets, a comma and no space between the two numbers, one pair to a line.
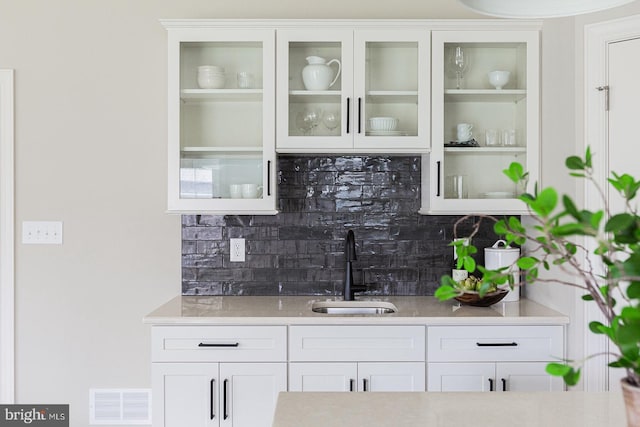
[250,191]
[464,131]
[235,191]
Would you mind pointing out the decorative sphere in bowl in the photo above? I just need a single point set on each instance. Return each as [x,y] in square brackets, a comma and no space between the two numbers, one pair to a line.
[490,298]
[499,79]
[383,123]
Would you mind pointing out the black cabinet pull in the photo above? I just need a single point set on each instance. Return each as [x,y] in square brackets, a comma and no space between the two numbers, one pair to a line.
[212,405]
[497,344]
[359,115]
[504,384]
[438,179]
[364,384]
[490,384]
[351,382]
[348,114]
[206,344]
[225,415]
[268,177]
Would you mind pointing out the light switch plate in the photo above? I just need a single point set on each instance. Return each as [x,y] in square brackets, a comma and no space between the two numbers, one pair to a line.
[42,232]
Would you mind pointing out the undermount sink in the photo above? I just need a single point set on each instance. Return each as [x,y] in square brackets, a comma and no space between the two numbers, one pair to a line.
[354,307]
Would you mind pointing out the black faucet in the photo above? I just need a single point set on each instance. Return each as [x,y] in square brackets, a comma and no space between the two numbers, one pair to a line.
[350,255]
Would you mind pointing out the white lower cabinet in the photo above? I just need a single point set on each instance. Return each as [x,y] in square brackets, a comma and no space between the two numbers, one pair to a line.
[223,375]
[217,394]
[504,376]
[357,358]
[367,376]
[217,376]
[493,358]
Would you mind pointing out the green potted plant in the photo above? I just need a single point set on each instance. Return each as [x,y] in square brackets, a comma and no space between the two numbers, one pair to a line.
[556,241]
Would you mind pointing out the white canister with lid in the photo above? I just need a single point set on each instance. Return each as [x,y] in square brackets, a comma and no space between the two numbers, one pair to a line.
[502,255]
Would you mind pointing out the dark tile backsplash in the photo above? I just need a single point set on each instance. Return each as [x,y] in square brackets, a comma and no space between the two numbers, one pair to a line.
[300,251]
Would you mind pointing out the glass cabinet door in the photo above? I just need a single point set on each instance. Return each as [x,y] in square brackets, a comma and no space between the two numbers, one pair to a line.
[485,116]
[315,89]
[392,89]
[222,149]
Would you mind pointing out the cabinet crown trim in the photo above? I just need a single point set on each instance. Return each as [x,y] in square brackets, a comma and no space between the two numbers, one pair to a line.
[429,24]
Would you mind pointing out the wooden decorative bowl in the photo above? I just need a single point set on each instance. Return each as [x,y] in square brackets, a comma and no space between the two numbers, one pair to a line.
[473,298]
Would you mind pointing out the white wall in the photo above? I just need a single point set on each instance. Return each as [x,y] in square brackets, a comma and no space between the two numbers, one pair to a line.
[91,151]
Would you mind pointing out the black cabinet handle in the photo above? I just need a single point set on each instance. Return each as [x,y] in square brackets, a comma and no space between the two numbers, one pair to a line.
[364,384]
[348,114]
[268,177]
[504,384]
[351,382]
[490,384]
[497,344]
[438,179]
[206,344]
[212,405]
[225,415]
[359,115]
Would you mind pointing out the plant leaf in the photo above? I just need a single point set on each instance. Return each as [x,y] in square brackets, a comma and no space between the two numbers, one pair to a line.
[574,163]
[619,222]
[526,263]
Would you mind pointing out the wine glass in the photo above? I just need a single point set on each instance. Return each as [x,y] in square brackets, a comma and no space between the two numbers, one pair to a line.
[330,120]
[459,63]
[301,123]
[311,118]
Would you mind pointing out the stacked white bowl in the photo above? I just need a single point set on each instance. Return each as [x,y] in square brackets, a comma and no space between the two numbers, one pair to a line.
[385,124]
[211,77]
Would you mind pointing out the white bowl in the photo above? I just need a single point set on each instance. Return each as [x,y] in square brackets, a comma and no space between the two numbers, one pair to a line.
[211,82]
[498,79]
[383,123]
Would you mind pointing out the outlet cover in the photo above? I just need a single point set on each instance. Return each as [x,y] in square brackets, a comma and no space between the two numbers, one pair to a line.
[42,232]
[237,250]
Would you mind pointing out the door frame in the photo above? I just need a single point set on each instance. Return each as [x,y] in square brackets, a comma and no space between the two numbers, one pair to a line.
[598,37]
[7,233]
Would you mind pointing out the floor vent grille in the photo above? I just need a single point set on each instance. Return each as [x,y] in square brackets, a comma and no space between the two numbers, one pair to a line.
[119,406]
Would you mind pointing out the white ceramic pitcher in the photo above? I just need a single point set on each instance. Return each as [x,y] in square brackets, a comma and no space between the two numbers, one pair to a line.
[318,73]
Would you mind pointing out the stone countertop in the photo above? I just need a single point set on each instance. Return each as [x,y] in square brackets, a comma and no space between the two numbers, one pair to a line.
[277,310]
[380,409]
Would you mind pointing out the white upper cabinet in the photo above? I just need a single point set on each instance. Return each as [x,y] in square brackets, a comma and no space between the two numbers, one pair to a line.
[240,91]
[221,120]
[353,90]
[480,126]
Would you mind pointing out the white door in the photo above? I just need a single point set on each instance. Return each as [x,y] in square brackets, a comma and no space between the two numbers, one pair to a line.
[526,377]
[322,376]
[249,393]
[461,377]
[296,128]
[185,394]
[623,69]
[6,239]
[391,376]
